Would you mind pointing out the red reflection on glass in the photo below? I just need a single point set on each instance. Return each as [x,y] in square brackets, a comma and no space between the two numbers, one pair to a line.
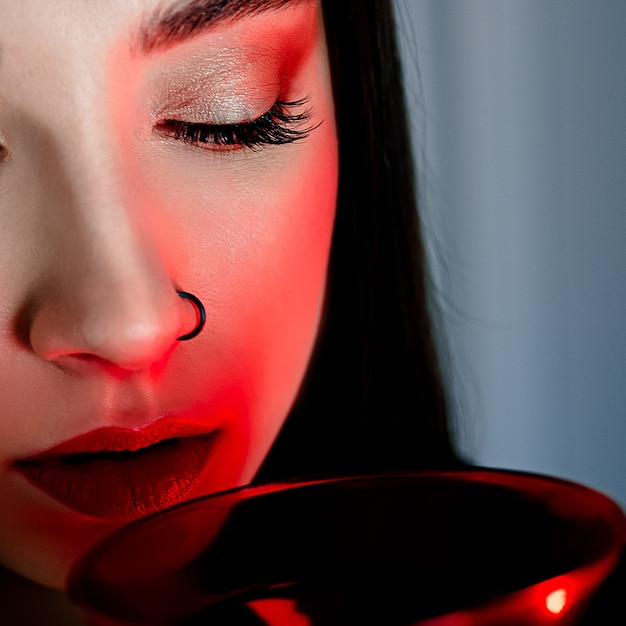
[474,548]
[279,612]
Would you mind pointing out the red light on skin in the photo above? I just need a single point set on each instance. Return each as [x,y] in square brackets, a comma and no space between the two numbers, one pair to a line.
[556,601]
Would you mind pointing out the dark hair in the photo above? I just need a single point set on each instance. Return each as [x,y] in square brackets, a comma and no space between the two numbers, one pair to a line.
[372,399]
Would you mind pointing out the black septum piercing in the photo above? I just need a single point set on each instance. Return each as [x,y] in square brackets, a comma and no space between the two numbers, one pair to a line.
[201,315]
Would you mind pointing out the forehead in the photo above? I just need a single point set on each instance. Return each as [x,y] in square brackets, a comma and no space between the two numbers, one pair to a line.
[45,21]
[145,24]
[52,46]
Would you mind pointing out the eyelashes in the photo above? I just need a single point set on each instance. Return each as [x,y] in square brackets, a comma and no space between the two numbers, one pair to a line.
[282,124]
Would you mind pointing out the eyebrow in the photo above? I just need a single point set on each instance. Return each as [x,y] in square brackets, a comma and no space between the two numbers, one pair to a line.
[191,17]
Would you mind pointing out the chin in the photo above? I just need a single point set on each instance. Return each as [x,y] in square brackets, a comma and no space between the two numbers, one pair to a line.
[44,538]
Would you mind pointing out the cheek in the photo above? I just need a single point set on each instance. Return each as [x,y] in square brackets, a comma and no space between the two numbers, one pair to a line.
[252,239]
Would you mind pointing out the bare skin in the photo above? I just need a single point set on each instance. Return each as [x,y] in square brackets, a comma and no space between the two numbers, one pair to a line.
[129,171]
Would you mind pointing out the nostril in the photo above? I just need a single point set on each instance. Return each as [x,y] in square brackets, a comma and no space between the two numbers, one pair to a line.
[85,363]
[85,356]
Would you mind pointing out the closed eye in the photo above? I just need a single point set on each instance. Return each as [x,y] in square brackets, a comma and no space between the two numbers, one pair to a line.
[282,124]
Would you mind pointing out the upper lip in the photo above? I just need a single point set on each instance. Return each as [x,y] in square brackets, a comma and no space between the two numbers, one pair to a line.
[119,439]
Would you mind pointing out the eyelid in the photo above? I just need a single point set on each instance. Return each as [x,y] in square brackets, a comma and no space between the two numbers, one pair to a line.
[226,89]
[277,126]
[218,111]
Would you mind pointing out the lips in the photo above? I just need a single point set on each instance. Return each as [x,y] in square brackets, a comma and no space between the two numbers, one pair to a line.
[120,473]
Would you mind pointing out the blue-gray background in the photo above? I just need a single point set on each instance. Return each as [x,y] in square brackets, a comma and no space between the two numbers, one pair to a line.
[519,121]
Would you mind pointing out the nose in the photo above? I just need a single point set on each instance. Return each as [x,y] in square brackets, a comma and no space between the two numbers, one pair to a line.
[127,324]
[105,296]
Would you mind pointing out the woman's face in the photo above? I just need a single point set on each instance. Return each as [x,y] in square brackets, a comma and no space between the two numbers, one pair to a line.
[150,146]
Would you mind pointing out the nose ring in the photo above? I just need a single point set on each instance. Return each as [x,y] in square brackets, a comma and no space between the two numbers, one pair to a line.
[201,315]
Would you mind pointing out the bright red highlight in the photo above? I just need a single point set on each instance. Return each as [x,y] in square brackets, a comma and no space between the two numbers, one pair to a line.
[279,612]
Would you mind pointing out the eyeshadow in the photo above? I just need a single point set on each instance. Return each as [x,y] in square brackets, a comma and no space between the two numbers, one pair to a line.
[230,75]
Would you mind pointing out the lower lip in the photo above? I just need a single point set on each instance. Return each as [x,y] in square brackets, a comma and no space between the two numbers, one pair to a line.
[123,486]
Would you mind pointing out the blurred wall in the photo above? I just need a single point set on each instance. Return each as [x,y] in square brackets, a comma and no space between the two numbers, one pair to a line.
[519,123]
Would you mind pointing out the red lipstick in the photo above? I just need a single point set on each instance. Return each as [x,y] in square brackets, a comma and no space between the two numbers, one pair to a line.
[118,473]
